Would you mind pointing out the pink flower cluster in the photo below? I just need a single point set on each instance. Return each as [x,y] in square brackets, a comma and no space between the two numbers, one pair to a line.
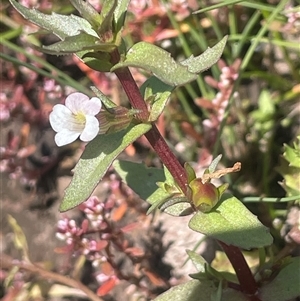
[293,20]
[217,106]
[82,239]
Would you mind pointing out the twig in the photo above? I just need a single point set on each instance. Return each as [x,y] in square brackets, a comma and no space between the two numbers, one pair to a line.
[8,262]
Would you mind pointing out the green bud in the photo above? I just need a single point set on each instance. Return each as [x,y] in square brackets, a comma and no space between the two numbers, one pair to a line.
[203,196]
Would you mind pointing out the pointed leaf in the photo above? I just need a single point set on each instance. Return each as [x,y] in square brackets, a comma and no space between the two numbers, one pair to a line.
[198,261]
[159,104]
[107,16]
[95,161]
[231,222]
[213,165]
[60,25]
[158,61]
[88,12]
[119,13]
[292,155]
[106,101]
[205,60]
[155,88]
[72,44]
[190,172]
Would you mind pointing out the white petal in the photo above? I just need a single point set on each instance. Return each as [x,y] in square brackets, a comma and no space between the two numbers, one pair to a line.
[91,107]
[59,117]
[75,100]
[65,137]
[91,129]
[75,126]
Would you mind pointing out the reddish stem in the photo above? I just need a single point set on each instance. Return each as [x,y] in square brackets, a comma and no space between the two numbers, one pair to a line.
[247,282]
[131,89]
[154,137]
[243,272]
[167,157]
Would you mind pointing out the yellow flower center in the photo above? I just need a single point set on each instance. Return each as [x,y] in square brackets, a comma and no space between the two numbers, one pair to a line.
[80,117]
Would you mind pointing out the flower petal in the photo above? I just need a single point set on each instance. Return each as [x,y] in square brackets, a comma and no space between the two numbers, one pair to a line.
[75,101]
[59,117]
[65,137]
[91,107]
[91,129]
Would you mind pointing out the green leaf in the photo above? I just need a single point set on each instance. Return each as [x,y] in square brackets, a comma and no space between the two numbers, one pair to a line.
[106,101]
[120,13]
[205,60]
[96,60]
[198,261]
[181,208]
[192,290]
[285,286]
[73,44]
[292,155]
[60,25]
[231,222]
[213,165]
[88,12]
[95,161]
[107,17]
[159,104]
[153,85]
[158,92]
[195,290]
[158,61]
[142,179]
[191,175]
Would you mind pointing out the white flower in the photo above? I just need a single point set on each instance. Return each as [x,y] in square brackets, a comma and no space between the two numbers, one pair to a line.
[75,118]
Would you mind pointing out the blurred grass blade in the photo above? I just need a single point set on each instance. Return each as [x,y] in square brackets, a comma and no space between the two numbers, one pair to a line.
[20,241]
[218,5]
[271,200]
[54,73]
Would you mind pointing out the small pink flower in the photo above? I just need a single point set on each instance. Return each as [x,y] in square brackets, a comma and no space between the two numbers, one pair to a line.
[75,118]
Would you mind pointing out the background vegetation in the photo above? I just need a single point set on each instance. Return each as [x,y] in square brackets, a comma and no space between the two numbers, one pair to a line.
[246,108]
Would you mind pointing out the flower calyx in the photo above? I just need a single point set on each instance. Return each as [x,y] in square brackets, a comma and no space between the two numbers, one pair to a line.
[202,194]
[115,119]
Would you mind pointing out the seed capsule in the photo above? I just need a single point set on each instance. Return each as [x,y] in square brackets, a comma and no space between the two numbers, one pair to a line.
[203,196]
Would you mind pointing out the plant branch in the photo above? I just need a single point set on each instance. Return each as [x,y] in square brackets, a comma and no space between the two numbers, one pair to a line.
[167,157]
[247,282]
[55,277]
[131,89]
[154,137]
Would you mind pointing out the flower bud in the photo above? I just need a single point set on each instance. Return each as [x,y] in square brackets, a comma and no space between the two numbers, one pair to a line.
[203,196]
